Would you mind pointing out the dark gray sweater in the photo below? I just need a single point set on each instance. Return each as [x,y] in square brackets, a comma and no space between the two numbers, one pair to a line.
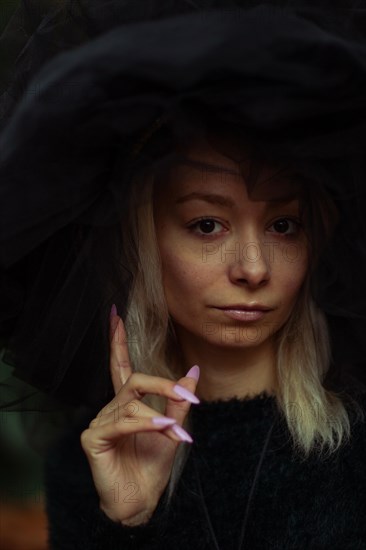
[297,505]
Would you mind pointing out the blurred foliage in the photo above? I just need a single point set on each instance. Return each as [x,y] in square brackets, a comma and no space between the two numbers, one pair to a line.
[25,436]
[20,465]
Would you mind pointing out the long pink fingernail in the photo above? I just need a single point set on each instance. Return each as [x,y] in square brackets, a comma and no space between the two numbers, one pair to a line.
[194,372]
[113,311]
[182,433]
[186,394]
[163,421]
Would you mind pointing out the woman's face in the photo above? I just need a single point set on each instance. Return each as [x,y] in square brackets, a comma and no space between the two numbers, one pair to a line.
[246,252]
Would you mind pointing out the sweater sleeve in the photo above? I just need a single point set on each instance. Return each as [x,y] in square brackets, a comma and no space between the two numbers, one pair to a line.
[75,520]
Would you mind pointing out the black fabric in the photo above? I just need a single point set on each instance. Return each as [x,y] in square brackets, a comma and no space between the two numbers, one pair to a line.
[311,504]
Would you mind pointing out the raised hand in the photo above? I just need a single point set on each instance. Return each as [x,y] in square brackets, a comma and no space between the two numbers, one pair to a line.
[131,447]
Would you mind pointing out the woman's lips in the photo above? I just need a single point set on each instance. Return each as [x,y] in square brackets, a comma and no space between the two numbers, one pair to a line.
[244,315]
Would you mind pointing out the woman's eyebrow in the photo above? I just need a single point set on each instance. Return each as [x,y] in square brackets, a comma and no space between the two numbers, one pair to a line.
[223,200]
[212,198]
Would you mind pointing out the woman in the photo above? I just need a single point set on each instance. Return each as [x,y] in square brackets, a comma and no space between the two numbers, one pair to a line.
[269,401]
[240,358]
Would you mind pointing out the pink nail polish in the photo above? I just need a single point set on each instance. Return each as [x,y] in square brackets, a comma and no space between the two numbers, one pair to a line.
[194,372]
[182,433]
[186,394]
[113,311]
[163,421]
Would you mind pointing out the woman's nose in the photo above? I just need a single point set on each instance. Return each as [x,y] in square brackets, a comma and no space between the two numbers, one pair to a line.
[250,264]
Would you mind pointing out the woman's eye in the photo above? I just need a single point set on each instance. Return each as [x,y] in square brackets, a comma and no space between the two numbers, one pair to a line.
[283,226]
[286,226]
[205,225]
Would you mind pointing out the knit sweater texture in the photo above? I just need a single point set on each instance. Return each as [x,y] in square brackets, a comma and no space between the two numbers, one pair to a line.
[296,504]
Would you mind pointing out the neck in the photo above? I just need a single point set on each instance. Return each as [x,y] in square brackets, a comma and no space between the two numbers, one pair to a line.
[227,372]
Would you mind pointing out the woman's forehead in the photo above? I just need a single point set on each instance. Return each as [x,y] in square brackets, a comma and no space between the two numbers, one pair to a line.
[191,172]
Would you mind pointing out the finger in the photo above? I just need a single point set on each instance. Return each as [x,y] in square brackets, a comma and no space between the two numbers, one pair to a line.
[131,412]
[179,410]
[139,384]
[120,367]
[97,439]
[116,410]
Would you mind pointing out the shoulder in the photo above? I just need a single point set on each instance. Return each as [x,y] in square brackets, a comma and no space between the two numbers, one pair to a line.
[354,399]
[351,389]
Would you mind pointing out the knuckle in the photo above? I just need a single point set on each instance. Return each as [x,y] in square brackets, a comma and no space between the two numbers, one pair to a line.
[136,378]
[84,438]
[131,408]
[136,383]
[93,423]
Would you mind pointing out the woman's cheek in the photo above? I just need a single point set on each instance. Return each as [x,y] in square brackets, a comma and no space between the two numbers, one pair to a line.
[175,268]
[293,271]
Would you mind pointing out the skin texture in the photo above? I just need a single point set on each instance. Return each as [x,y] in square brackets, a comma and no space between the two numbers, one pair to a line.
[239,256]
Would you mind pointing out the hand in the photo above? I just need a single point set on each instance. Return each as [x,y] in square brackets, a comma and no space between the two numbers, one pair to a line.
[131,457]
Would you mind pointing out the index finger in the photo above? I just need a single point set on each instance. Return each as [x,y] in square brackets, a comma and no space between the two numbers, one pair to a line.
[119,363]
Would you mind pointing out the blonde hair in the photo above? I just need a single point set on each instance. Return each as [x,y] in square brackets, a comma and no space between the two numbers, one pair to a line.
[317,418]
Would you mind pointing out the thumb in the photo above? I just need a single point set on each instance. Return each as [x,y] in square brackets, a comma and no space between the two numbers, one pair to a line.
[179,409]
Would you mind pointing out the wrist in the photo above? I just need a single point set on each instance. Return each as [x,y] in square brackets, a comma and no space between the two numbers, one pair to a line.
[140,518]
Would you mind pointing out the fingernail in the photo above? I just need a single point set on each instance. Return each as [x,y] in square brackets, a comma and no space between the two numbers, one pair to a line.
[113,324]
[163,421]
[186,394]
[113,311]
[182,433]
[194,372]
